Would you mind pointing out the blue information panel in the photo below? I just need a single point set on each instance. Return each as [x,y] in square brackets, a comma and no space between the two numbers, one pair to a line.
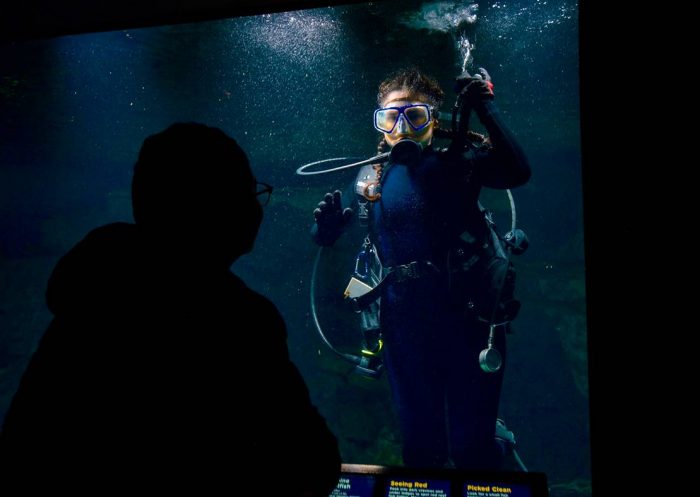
[383,481]
[495,489]
[351,485]
[411,487]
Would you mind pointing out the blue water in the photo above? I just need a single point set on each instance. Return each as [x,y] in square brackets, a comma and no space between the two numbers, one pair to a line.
[293,88]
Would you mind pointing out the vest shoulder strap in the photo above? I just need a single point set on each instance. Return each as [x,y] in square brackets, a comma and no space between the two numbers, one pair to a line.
[367,175]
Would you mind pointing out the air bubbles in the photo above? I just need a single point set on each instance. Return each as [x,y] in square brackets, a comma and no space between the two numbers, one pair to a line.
[441,16]
[303,37]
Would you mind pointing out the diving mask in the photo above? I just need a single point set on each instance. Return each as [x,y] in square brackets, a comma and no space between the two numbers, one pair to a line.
[412,117]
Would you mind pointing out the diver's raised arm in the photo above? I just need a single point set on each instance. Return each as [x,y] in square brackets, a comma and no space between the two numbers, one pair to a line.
[508,166]
[503,165]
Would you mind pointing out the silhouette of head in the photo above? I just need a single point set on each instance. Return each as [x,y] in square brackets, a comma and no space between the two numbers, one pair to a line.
[193,190]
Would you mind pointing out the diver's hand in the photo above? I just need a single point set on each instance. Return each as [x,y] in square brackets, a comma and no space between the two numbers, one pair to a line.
[330,219]
[482,73]
[477,88]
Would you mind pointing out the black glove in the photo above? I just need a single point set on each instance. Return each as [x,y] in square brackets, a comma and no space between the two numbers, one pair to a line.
[475,89]
[330,218]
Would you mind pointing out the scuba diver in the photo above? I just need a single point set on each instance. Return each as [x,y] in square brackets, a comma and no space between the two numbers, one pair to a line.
[444,285]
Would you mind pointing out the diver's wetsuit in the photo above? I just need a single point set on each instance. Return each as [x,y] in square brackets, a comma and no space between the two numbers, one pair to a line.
[446,404]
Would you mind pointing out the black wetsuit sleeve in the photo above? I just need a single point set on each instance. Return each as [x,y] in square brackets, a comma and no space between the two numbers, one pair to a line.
[503,165]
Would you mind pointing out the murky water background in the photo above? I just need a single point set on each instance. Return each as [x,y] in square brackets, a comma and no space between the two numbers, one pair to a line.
[293,88]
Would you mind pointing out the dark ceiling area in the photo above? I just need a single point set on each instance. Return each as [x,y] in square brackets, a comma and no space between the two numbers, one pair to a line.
[32,19]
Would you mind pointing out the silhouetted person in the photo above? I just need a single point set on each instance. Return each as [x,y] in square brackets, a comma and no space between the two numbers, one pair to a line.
[161,369]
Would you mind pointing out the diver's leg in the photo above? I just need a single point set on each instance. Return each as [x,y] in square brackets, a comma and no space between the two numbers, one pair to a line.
[472,400]
[417,394]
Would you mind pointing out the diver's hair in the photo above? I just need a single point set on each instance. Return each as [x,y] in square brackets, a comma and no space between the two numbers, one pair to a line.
[415,81]
[383,146]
